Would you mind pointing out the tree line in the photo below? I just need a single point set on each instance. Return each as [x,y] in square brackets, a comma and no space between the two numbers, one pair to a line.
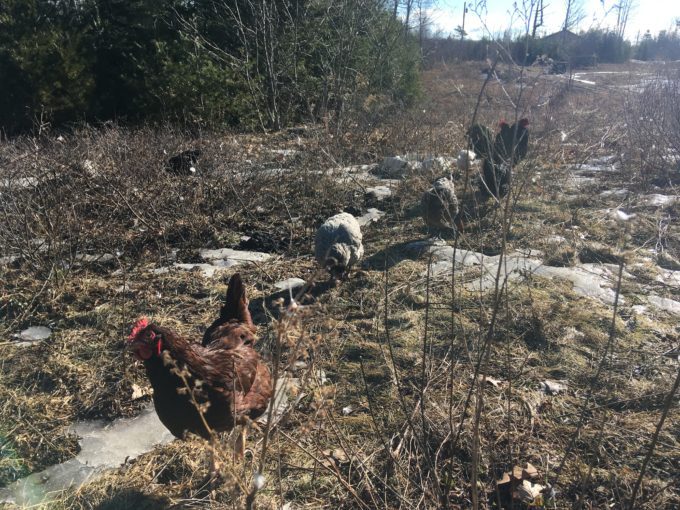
[592,46]
[585,49]
[254,64]
[665,46]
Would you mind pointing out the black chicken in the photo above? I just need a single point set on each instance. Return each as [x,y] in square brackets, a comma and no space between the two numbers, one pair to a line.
[495,178]
[509,148]
[481,138]
[512,142]
[183,163]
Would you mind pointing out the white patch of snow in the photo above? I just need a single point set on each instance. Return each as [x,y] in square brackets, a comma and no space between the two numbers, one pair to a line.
[103,445]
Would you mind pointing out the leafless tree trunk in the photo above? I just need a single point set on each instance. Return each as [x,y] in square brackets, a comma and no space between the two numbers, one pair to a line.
[407,18]
[538,18]
[574,14]
[623,9]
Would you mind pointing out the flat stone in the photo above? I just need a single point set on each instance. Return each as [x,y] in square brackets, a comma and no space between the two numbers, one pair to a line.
[640,309]
[287,394]
[379,192]
[33,335]
[101,258]
[441,164]
[208,270]
[275,172]
[657,200]
[590,280]
[290,284]
[619,192]
[235,256]
[670,278]
[552,387]
[285,152]
[395,167]
[555,239]
[665,304]
[371,215]
[19,182]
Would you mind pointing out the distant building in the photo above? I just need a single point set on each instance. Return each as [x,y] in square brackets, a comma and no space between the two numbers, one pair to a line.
[567,47]
[565,38]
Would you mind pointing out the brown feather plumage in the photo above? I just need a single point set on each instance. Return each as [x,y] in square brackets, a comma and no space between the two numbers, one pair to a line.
[228,378]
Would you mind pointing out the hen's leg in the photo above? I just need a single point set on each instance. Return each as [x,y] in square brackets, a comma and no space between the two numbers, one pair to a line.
[240,443]
[214,464]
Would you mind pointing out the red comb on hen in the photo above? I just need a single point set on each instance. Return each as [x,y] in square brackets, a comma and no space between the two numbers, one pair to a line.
[503,123]
[140,325]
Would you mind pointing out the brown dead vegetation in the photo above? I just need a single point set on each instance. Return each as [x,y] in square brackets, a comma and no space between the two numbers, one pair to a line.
[400,350]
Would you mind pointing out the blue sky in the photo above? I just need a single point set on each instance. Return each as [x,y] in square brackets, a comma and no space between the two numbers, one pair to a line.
[654,15]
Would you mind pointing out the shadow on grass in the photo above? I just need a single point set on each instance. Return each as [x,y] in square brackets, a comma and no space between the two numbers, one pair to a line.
[134,498]
[393,255]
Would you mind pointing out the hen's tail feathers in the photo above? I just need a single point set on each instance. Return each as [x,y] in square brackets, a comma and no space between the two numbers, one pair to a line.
[236,303]
[235,308]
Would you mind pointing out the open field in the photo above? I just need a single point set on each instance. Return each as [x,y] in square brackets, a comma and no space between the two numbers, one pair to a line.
[418,386]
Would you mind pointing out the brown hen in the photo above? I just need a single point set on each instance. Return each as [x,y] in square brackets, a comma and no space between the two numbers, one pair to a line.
[225,378]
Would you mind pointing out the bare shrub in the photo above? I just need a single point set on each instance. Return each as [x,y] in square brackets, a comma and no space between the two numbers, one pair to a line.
[654,128]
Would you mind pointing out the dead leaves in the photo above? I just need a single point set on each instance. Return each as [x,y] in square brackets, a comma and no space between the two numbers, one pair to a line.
[334,458]
[520,486]
[139,392]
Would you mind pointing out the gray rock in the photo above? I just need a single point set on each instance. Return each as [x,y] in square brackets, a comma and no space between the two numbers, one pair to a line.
[371,215]
[552,387]
[378,193]
[395,167]
[665,304]
[235,256]
[657,200]
[208,270]
[33,335]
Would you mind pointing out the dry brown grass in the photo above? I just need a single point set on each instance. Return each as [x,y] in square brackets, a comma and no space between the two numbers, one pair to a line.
[392,341]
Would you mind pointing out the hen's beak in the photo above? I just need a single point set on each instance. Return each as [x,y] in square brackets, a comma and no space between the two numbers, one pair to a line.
[140,350]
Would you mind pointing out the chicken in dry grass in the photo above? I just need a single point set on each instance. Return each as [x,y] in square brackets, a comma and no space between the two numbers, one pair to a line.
[495,178]
[225,378]
[439,206]
[509,148]
[183,163]
[512,142]
[234,323]
[338,245]
[482,140]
